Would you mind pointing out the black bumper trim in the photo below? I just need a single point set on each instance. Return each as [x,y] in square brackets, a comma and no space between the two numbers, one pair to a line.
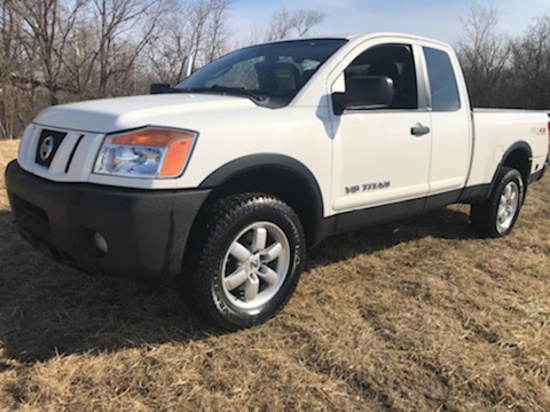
[146,230]
[538,175]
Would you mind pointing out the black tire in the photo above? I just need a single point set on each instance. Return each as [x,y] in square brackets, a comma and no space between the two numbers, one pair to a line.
[497,216]
[252,237]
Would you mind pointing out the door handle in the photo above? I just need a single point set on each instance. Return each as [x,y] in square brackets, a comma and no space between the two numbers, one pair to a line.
[419,130]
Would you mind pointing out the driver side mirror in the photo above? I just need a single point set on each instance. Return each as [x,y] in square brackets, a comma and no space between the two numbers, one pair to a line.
[159,88]
[363,93]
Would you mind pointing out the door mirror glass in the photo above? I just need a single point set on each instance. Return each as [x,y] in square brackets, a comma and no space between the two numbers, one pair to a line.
[369,92]
[365,92]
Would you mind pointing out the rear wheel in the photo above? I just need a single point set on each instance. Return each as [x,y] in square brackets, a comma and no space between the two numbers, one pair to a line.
[497,216]
[250,261]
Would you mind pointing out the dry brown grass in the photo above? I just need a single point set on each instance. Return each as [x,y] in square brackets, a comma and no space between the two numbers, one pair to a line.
[418,315]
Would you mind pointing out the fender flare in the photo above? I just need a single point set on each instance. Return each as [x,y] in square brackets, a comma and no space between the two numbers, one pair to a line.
[274,161]
[521,145]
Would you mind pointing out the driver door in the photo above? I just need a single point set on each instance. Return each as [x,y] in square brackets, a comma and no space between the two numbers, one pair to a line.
[382,155]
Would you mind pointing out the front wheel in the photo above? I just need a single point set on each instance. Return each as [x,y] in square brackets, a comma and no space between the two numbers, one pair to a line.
[250,262]
[497,216]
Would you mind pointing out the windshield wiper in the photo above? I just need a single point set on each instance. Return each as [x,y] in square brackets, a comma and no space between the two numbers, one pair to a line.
[233,91]
[240,91]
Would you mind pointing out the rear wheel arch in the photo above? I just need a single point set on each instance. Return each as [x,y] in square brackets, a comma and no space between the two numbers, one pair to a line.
[484,214]
[498,214]
[518,157]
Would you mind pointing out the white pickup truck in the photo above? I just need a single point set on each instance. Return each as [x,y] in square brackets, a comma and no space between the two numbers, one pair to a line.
[224,180]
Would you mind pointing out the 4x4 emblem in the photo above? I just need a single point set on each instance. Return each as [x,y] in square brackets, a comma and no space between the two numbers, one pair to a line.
[46,148]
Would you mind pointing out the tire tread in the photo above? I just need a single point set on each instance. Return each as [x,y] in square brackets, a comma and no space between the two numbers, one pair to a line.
[219,221]
[483,215]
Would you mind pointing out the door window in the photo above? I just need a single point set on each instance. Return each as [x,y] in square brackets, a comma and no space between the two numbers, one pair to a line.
[394,61]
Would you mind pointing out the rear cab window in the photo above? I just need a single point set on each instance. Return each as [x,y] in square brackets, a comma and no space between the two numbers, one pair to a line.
[442,81]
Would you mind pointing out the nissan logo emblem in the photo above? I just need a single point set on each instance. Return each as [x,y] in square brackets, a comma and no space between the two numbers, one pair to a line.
[46,148]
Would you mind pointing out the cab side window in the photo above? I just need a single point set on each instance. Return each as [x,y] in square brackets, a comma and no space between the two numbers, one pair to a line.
[443,86]
[394,61]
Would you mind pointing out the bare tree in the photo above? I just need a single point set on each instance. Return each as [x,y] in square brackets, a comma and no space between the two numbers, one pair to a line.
[284,24]
[46,29]
[305,20]
[530,72]
[167,51]
[56,51]
[484,53]
[217,32]
[124,28]
[197,29]
[9,57]
[280,26]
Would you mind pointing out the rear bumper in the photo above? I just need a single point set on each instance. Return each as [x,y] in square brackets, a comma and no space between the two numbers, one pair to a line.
[146,231]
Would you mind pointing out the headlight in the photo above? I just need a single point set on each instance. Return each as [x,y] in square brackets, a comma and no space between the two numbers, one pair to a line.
[151,152]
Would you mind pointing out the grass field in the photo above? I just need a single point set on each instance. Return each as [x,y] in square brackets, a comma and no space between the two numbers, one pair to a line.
[419,315]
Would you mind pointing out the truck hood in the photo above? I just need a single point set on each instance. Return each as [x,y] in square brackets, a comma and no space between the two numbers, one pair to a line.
[123,113]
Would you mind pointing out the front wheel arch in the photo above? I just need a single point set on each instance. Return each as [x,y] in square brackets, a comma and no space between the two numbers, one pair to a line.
[279,175]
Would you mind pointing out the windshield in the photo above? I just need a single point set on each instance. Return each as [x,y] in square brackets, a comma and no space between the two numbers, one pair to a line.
[270,74]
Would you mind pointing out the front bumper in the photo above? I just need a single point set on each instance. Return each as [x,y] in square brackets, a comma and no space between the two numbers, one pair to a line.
[146,231]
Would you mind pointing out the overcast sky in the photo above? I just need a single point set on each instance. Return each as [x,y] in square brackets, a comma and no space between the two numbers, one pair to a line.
[438,19]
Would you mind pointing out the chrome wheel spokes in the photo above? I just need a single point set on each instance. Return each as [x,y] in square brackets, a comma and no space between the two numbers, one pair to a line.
[255,266]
